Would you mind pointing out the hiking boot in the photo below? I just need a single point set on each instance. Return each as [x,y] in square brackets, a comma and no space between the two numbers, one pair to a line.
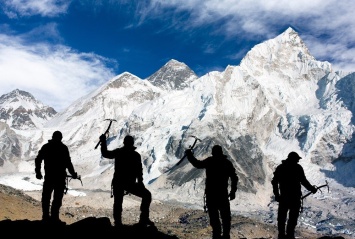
[118,224]
[216,236]
[56,221]
[146,223]
[46,218]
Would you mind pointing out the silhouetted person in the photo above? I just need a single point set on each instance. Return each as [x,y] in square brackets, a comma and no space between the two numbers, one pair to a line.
[128,178]
[218,172]
[286,183]
[57,160]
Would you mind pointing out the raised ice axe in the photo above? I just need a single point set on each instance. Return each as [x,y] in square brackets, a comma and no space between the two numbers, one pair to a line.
[191,147]
[106,132]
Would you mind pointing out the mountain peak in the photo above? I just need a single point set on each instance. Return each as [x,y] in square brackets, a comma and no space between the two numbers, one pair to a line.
[284,50]
[17,94]
[290,36]
[21,110]
[289,30]
[174,75]
[175,64]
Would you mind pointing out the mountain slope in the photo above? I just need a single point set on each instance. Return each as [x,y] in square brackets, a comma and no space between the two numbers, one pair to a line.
[20,215]
[279,99]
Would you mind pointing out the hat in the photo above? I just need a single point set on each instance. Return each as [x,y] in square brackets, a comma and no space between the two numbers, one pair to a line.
[293,155]
[128,140]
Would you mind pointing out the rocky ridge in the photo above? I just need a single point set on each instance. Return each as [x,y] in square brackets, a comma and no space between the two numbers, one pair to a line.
[171,220]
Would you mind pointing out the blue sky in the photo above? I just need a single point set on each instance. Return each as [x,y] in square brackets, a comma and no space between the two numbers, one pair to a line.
[60,50]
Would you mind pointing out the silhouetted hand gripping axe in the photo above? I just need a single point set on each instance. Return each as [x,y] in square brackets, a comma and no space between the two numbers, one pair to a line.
[67,181]
[318,188]
[106,132]
[182,159]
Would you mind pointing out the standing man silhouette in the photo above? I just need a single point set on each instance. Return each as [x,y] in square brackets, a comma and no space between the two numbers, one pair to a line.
[286,183]
[57,160]
[218,172]
[128,178]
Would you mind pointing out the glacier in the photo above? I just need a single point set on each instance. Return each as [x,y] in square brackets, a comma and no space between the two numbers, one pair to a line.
[277,100]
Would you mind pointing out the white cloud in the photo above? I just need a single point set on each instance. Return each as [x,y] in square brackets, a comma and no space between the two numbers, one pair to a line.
[56,75]
[257,20]
[50,8]
[331,22]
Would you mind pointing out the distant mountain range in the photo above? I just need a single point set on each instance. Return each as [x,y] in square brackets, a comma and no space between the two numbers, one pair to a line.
[279,99]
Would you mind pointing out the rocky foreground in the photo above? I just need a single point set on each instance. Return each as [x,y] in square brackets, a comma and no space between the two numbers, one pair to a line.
[20,214]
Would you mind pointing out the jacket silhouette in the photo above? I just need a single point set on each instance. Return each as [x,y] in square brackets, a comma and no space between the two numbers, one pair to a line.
[286,183]
[57,160]
[127,179]
[218,172]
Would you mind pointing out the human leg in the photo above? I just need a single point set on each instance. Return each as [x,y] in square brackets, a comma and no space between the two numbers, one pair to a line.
[58,193]
[118,194]
[226,218]
[281,219]
[294,212]
[46,199]
[140,191]
[213,213]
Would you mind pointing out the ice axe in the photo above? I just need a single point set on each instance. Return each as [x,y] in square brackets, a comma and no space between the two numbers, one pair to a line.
[67,182]
[318,188]
[191,148]
[106,132]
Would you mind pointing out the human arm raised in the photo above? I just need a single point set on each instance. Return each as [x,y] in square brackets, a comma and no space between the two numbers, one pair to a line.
[196,163]
[104,152]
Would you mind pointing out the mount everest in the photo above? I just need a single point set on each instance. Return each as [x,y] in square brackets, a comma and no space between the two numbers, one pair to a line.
[279,99]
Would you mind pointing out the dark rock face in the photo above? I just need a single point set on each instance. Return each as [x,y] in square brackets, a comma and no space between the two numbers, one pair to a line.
[173,75]
[10,148]
[86,228]
[89,227]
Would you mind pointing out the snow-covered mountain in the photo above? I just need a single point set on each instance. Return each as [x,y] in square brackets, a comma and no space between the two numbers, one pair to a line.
[173,75]
[20,110]
[279,99]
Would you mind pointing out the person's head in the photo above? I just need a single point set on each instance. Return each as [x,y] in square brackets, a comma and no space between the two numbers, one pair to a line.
[217,150]
[128,141]
[293,156]
[57,136]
